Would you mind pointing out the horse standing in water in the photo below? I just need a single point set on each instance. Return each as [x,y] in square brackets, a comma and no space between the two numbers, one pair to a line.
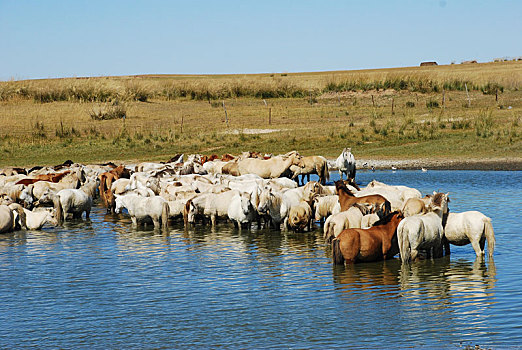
[379,242]
[346,164]
[469,227]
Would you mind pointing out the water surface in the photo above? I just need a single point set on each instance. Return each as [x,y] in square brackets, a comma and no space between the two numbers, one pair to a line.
[101,284]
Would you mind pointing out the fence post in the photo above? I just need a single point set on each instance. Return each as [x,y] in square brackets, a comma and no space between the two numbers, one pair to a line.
[373,102]
[467,93]
[393,102]
[226,114]
[182,117]
[270,116]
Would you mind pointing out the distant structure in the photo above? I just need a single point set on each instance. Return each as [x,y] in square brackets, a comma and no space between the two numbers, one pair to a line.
[468,62]
[432,63]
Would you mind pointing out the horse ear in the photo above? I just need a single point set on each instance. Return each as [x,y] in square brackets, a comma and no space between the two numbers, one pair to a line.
[434,192]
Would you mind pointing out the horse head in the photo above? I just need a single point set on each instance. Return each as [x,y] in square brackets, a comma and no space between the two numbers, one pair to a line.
[118,204]
[246,204]
[265,199]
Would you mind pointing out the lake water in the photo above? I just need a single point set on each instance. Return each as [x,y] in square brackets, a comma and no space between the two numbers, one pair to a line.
[100,284]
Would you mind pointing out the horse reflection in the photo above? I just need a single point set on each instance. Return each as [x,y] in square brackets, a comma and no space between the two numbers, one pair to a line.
[450,281]
[380,276]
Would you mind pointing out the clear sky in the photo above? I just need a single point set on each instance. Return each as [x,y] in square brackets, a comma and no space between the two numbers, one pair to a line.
[52,38]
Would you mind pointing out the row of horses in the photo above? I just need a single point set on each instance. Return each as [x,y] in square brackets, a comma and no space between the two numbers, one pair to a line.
[376,222]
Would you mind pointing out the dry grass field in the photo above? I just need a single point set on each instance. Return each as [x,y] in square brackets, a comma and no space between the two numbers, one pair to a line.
[401,113]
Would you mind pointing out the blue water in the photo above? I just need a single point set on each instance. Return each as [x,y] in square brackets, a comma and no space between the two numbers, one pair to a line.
[101,284]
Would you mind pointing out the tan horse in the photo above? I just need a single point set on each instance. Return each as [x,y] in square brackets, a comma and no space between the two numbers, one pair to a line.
[363,245]
[415,206]
[311,165]
[346,198]
[300,217]
[268,168]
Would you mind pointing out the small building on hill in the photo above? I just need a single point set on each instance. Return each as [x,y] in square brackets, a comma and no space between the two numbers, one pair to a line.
[430,63]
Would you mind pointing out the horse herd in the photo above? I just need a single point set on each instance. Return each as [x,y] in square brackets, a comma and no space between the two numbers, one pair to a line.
[376,222]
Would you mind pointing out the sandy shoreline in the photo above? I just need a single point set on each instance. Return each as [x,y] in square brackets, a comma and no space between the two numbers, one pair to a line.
[512,164]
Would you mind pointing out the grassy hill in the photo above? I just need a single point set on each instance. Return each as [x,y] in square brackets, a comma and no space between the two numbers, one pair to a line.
[442,112]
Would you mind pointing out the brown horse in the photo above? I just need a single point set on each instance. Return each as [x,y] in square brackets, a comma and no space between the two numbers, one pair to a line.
[43,177]
[379,242]
[379,204]
[106,180]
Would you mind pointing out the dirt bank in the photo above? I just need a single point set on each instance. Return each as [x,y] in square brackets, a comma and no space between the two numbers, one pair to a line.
[442,164]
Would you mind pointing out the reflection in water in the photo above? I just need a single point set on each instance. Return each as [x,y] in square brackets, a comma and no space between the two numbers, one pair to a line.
[381,276]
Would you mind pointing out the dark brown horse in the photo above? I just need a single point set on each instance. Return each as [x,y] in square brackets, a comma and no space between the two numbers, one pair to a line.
[380,205]
[378,242]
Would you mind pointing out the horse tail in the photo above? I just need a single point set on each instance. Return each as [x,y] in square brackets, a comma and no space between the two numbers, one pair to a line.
[326,229]
[325,174]
[102,188]
[165,215]
[337,255]
[490,235]
[404,244]
[186,210]
[59,210]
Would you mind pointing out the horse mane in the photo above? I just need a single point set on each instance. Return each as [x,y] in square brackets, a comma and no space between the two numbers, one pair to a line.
[386,219]
[339,185]
[436,199]
[37,167]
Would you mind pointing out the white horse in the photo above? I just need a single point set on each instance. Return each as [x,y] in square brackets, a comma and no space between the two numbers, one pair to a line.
[211,205]
[469,227]
[7,219]
[346,164]
[143,209]
[241,211]
[368,220]
[325,206]
[336,223]
[274,204]
[36,218]
[423,232]
[69,201]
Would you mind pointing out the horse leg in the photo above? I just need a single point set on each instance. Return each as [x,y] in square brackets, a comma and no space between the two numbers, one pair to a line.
[87,213]
[446,244]
[438,251]
[414,254]
[213,221]
[482,243]
[476,246]
[134,221]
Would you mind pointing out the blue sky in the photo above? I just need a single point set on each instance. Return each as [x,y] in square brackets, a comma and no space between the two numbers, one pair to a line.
[42,39]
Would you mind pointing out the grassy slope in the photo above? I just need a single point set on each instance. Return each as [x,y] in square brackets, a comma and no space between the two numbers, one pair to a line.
[49,133]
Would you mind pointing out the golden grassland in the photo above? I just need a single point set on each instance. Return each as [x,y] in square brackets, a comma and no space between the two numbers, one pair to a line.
[48,121]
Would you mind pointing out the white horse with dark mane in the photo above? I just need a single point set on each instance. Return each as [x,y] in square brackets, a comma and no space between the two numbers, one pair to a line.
[143,209]
[346,164]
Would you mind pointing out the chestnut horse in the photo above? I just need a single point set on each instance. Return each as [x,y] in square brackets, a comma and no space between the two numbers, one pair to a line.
[44,177]
[378,242]
[346,198]
[106,180]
